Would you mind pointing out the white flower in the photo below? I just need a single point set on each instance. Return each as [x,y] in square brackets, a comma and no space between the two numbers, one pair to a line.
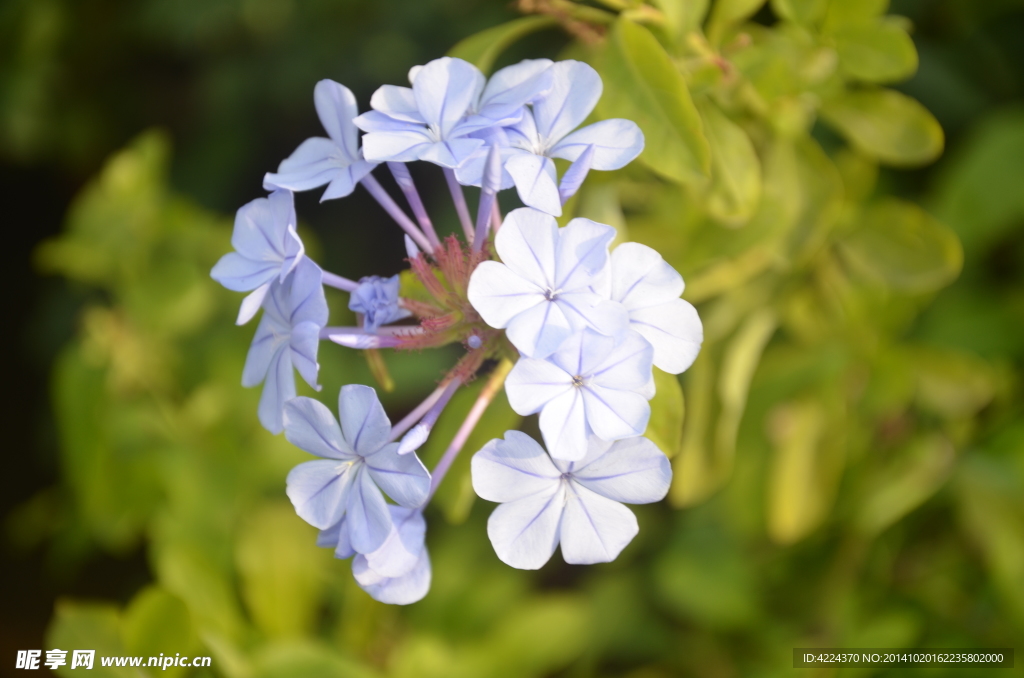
[592,385]
[649,288]
[545,501]
[544,289]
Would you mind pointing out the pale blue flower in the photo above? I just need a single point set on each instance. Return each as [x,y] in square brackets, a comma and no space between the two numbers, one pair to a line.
[267,248]
[337,160]
[358,462]
[543,289]
[377,299]
[592,385]
[546,501]
[287,337]
[649,288]
[397,573]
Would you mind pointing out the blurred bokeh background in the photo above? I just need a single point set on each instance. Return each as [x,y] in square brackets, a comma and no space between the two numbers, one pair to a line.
[851,467]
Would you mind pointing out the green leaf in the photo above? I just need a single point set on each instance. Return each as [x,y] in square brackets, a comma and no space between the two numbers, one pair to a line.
[842,13]
[735,168]
[156,622]
[282,571]
[87,626]
[879,52]
[726,13]
[306,659]
[887,125]
[899,245]
[643,85]
[683,16]
[800,11]
[665,428]
[483,48]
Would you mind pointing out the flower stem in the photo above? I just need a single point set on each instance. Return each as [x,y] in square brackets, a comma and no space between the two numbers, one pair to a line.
[491,388]
[404,179]
[338,282]
[392,208]
[417,413]
[460,203]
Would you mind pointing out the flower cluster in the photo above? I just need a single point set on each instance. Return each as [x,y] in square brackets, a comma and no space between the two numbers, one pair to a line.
[574,328]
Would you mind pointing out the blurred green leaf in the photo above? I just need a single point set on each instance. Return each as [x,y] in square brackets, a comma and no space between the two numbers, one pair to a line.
[880,52]
[735,168]
[842,13]
[796,500]
[643,85]
[683,16]
[898,244]
[952,383]
[156,622]
[87,626]
[726,13]
[665,428]
[800,11]
[887,125]
[306,659]
[483,48]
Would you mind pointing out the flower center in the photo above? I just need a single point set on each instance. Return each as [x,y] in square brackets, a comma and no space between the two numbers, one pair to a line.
[550,295]
[577,381]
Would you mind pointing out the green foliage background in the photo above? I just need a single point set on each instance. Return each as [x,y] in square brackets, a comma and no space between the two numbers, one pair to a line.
[848,449]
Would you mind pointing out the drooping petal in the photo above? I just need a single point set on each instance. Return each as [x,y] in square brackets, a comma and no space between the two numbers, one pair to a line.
[403,477]
[338,538]
[270,338]
[674,330]
[626,367]
[614,414]
[513,468]
[344,182]
[239,274]
[533,383]
[582,253]
[527,244]
[594,529]
[405,590]
[363,421]
[305,341]
[616,143]
[367,513]
[633,471]
[319,491]
[499,295]
[524,533]
[336,107]
[564,424]
[400,552]
[536,182]
[397,102]
[641,278]
[251,304]
[314,163]
[444,90]
[575,90]
[573,178]
[538,331]
[310,426]
[278,388]
[301,297]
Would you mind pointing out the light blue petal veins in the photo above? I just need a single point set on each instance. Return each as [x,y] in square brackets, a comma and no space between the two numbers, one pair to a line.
[319,491]
[444,90]
[401,551]
[336,107]
[314,163]
[524,135]
[367,513]
[363,422]
[674,330]
[471,171]
[533,383]
[538,331]
[594,529]
[582,353]
[404,590]
[338,538]
[252,303]
[499,295]
[278,388]
[587,309]
[450,152]
[524,533]
[264,234]
[575,175]
[633,471]
[270,338]
[403,477]
[344,182]
[310,426]
[513,86]
[513,468]
[582,253]
[626,367]
[641,278]
[398,103]
[564,425]
[399,145]
[375,121]
[575,90]
[239,274]
[305,340]
[613,415]
[616,143]
[527,243]
[536,182]
[301,297]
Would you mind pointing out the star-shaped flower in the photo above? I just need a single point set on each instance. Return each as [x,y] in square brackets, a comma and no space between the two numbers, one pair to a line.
[545,501]
[543,290]
[377,299]
[267,248]
[337,160]
[358,463]
[592,385]
[287,337]
[649,288]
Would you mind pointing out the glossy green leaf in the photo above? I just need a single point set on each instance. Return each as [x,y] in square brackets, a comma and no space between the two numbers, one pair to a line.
[643,85]
[887,125]
[735,168]
[486,46]
[665,428]
[878,52]
[899,245]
